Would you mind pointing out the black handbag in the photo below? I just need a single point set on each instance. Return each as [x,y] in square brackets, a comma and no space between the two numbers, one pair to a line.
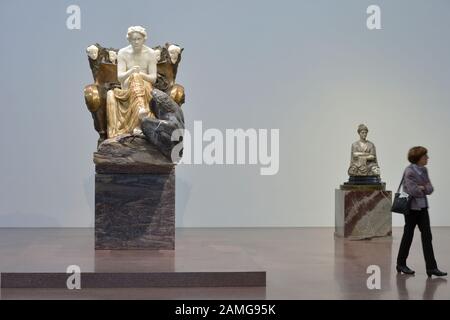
[402,201]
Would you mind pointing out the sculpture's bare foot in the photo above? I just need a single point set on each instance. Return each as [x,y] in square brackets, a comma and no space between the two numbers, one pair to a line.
[137,132]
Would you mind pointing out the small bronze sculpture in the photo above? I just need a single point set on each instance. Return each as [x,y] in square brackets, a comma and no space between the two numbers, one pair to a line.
[363,160]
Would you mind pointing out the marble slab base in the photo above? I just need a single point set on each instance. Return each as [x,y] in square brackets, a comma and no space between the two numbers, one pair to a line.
[135,211]
[136,280]
[363,214]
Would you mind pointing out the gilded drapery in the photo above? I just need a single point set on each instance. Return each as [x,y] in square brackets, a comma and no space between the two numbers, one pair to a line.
[122,108]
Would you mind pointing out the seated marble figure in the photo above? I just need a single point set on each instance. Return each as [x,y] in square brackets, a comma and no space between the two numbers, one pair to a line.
[363,159]
[126,81]
[136,72]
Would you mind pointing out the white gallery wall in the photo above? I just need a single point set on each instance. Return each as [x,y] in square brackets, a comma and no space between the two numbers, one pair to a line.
[309,68]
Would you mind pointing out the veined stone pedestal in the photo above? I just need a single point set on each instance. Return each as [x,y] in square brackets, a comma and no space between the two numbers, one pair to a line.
[363,212]
[134,196]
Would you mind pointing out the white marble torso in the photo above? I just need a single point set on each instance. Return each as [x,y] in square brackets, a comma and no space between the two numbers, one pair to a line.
[146,59]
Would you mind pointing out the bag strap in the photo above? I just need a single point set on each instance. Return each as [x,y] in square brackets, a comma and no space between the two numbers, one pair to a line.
[401,183]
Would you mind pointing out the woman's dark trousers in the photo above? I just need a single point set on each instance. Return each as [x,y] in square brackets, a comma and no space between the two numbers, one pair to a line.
[422,220]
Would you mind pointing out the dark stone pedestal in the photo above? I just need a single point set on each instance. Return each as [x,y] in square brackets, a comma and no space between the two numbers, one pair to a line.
[134,196]
[135,211]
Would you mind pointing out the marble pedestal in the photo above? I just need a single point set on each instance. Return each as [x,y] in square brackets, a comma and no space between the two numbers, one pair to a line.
[134,196]
[363,212]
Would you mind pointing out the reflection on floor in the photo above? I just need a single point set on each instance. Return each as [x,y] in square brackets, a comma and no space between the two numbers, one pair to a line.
[301,263]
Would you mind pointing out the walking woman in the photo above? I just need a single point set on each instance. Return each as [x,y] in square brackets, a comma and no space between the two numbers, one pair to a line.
[417,185]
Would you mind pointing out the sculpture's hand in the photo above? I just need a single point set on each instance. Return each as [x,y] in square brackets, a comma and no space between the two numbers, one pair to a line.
[136,69]
[123,76]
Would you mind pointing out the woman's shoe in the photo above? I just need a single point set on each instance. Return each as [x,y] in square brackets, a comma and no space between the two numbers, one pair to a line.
[436,272]
[405,270]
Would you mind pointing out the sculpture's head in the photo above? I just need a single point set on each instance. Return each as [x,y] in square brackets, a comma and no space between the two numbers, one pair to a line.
[136,36]
[363,131]
[112,55]
[158,54]
[92,52]
[174,53]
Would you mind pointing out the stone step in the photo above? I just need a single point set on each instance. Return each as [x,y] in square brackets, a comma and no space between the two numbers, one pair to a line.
[135,280]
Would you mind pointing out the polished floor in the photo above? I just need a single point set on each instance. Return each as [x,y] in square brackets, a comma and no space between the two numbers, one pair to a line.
[301,263]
